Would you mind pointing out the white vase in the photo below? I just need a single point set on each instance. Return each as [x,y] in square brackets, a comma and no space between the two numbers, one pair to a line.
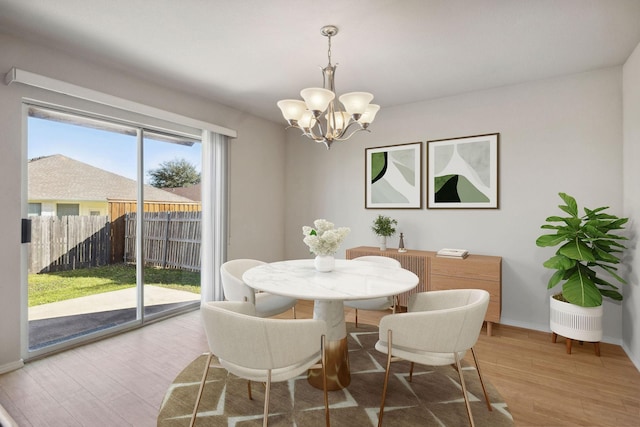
[383,242]
[324,263]
[575,322]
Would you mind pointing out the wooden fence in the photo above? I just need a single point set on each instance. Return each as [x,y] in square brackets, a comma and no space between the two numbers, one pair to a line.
[118,211]
[68,243]
[171,239]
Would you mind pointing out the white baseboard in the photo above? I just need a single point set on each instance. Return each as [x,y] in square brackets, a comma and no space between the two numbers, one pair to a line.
[635,361]
[8,367]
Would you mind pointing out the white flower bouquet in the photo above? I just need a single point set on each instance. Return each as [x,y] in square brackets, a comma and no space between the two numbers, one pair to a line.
[324,239]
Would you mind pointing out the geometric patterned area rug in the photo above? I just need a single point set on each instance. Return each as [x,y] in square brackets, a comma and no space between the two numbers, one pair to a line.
[433,398]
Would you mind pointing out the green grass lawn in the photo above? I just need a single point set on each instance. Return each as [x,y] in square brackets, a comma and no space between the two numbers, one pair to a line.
[51,287]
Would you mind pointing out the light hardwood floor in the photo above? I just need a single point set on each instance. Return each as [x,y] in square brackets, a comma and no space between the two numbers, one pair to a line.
[121,381]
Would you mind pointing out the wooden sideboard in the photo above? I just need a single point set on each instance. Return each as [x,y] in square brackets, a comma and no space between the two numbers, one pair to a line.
[437,273]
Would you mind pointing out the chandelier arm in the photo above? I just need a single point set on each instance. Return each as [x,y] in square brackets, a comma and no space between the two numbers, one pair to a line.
[340,138]
[300,129]
[311,134]
[346,128]
[321,131]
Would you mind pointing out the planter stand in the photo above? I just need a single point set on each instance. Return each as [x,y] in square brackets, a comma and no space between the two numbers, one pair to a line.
[576,323]
[569,341]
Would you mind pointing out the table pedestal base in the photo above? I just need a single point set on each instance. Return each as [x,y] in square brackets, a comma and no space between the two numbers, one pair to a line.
[337,366]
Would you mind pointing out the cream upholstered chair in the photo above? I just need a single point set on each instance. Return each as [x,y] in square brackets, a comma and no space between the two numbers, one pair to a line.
[438,328]
[259,349]
[235,289]
[383,303]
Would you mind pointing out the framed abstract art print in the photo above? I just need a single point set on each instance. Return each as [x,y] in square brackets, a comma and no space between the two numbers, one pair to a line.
[463,172]
[393,177]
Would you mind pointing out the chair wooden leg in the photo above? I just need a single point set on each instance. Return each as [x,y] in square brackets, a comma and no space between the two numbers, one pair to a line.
[464,389]
[204,379]
[267,391]
[568,342]
[386,378]
[411,372]
[597,348]
[484,390]
[294,312]
[249,390]
[356,317]
[554,337]
[324,381]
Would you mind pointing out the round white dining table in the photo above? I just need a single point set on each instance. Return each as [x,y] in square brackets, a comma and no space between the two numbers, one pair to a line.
[349,280]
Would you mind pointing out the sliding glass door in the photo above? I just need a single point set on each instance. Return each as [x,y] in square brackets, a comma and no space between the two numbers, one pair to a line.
[115,226]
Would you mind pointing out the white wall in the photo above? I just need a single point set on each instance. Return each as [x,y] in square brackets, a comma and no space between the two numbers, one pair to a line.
[556,135]
[256,163]
[631,119]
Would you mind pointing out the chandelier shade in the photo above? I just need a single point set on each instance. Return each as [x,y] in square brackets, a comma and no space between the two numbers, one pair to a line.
[369,114]
[356,102]
[320,117]
[292,109]
[317,99]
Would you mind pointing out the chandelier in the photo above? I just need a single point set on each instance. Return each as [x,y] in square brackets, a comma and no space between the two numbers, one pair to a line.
[337,122]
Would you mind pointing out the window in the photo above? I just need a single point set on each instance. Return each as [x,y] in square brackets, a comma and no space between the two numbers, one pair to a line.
[35,209]
[66,209]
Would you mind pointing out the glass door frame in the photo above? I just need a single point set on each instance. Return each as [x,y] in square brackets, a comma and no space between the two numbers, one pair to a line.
[213,250]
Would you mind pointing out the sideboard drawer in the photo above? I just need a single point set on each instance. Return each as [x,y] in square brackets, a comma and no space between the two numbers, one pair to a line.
[472,267]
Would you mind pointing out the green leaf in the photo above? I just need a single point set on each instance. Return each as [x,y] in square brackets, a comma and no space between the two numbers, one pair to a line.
[572,206]
[612,271]
[555,219]
[552,227]
[549,240]
[601,282]
[555,279]
[313,233]
[618,223]
[581,290]
[593,231]
[574,223]
[604,255]
[559,262]
[577,250]
[614,295]
[591,213]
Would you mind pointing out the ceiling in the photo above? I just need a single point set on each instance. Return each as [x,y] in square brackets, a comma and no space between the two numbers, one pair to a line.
[248,54]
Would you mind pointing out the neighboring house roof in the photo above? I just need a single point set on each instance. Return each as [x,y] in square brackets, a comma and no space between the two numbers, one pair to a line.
[58,177]
[193,192]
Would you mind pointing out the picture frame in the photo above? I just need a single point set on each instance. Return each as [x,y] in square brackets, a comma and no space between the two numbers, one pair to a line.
[393,176]
[462,173]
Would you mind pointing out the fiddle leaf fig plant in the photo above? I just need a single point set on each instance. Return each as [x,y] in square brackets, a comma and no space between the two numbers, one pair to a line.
[588,248]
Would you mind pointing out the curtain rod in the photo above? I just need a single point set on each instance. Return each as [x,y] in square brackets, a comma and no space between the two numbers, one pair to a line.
[16,75]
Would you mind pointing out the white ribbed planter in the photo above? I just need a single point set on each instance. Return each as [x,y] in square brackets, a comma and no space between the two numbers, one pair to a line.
[575,322]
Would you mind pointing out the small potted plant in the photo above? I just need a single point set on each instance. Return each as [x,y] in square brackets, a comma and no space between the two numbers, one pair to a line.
[588,249]
[384,227]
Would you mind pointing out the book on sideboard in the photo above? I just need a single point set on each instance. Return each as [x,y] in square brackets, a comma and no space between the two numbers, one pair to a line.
[452,253]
